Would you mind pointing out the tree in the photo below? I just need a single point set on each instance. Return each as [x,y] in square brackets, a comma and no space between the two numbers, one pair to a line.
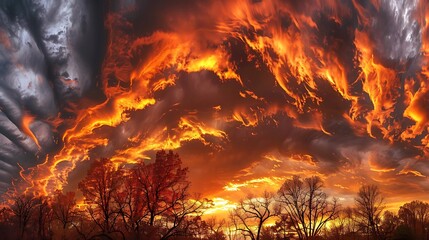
[231,232]
[43,214]
[64,210]
[99,187]
[351,226]
[283,226]
[369,206]
[267,234]
[403,232]
[215,229]
[64,207]
[307,205]
[6,223]
[23,208]
[388,225]
[175,221]
[195,227]
[131,204]
[251,213]
[84,227]
[162,183]
[415,215]
[164,189]
[345,227]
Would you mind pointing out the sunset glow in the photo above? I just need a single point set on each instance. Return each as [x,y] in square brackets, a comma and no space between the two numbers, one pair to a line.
[248,92]
[227,83]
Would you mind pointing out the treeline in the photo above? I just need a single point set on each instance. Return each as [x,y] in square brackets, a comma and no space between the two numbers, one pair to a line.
[152,201]
[141,201]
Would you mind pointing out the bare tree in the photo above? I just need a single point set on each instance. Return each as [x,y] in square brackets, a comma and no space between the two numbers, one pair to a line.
[195,227]
[231,232]
[283,226]
[84,227]
[43,217]
[7,223]
[215,228]
[345,226]
[351,226]
[64,207]
[388,225]
[251,213]
[307,205]
[131,204]
[64,210]
[369,206]
[163,188]
[99,187]
[174,221]
[23,208]
[163,184]
[415,214]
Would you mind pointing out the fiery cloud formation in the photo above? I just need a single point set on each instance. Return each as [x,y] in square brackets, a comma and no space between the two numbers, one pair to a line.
[247,92]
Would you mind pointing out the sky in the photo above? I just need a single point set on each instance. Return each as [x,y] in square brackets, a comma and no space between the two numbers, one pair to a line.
[248,93]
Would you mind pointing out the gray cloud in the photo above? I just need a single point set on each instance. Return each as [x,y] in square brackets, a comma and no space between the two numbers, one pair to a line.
[395,30]
[47,58]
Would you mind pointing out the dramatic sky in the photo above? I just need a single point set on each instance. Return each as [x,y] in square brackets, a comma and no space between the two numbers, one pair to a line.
[248,92]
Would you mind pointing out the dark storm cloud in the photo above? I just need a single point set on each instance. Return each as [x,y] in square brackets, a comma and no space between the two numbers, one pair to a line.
[69,34]
[47,56]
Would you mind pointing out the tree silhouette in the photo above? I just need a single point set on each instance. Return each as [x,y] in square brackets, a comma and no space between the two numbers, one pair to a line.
[173,221]
[345,225]
[43,214]
[64,210]
[151,200]
[388,224]
[283,226]
[64,207]
[99,188]
[215,229]
[163,189]
[163,184]
[251,213]
[7,223]
[416,216]
[23,208]
[147,200]
[369,206]
[307,205]
[131,204]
